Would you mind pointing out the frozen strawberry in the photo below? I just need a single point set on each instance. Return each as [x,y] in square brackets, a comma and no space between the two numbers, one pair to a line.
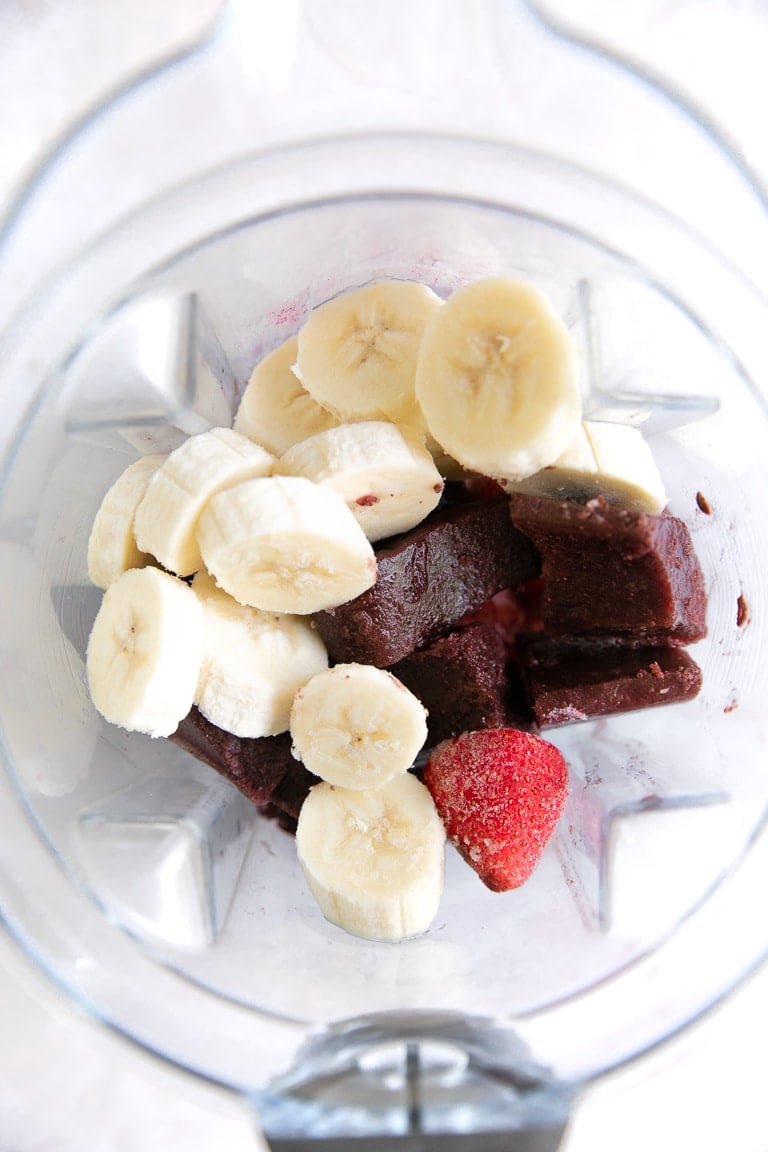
[500,793]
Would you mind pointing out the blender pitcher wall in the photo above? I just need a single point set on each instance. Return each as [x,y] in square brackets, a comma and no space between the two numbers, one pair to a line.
[269,75]
[328,84]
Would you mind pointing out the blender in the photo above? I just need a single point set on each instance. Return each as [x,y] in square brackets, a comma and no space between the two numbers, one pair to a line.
[278,163]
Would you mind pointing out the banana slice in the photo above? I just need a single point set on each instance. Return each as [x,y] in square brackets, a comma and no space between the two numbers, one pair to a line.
[275,410]
[628,474]
[112,547]
[374,859]
[357,353]
[285,544]
[610,460]
[357,726]
[166,519]
[144,652]
[385,474]
[572,476]
[253,663]
[496,379]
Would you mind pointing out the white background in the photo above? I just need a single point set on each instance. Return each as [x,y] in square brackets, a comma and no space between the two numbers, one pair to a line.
[67,1085]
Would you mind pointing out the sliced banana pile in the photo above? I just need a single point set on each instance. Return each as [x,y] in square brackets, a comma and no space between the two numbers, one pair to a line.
[213,557]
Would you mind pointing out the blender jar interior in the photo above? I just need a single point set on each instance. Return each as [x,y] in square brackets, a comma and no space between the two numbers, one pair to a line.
[202,899]
[145,884]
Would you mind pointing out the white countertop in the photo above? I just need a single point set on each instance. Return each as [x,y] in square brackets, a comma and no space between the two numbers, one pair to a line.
[68,1085]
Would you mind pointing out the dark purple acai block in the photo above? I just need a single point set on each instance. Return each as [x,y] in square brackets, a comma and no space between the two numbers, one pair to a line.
[428,579]
[285,802]
[572,680]
[465,681]
[261,767]
[257,766]
[608,570]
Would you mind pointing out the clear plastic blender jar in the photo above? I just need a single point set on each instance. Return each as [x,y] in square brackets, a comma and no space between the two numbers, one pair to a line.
[178,234]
